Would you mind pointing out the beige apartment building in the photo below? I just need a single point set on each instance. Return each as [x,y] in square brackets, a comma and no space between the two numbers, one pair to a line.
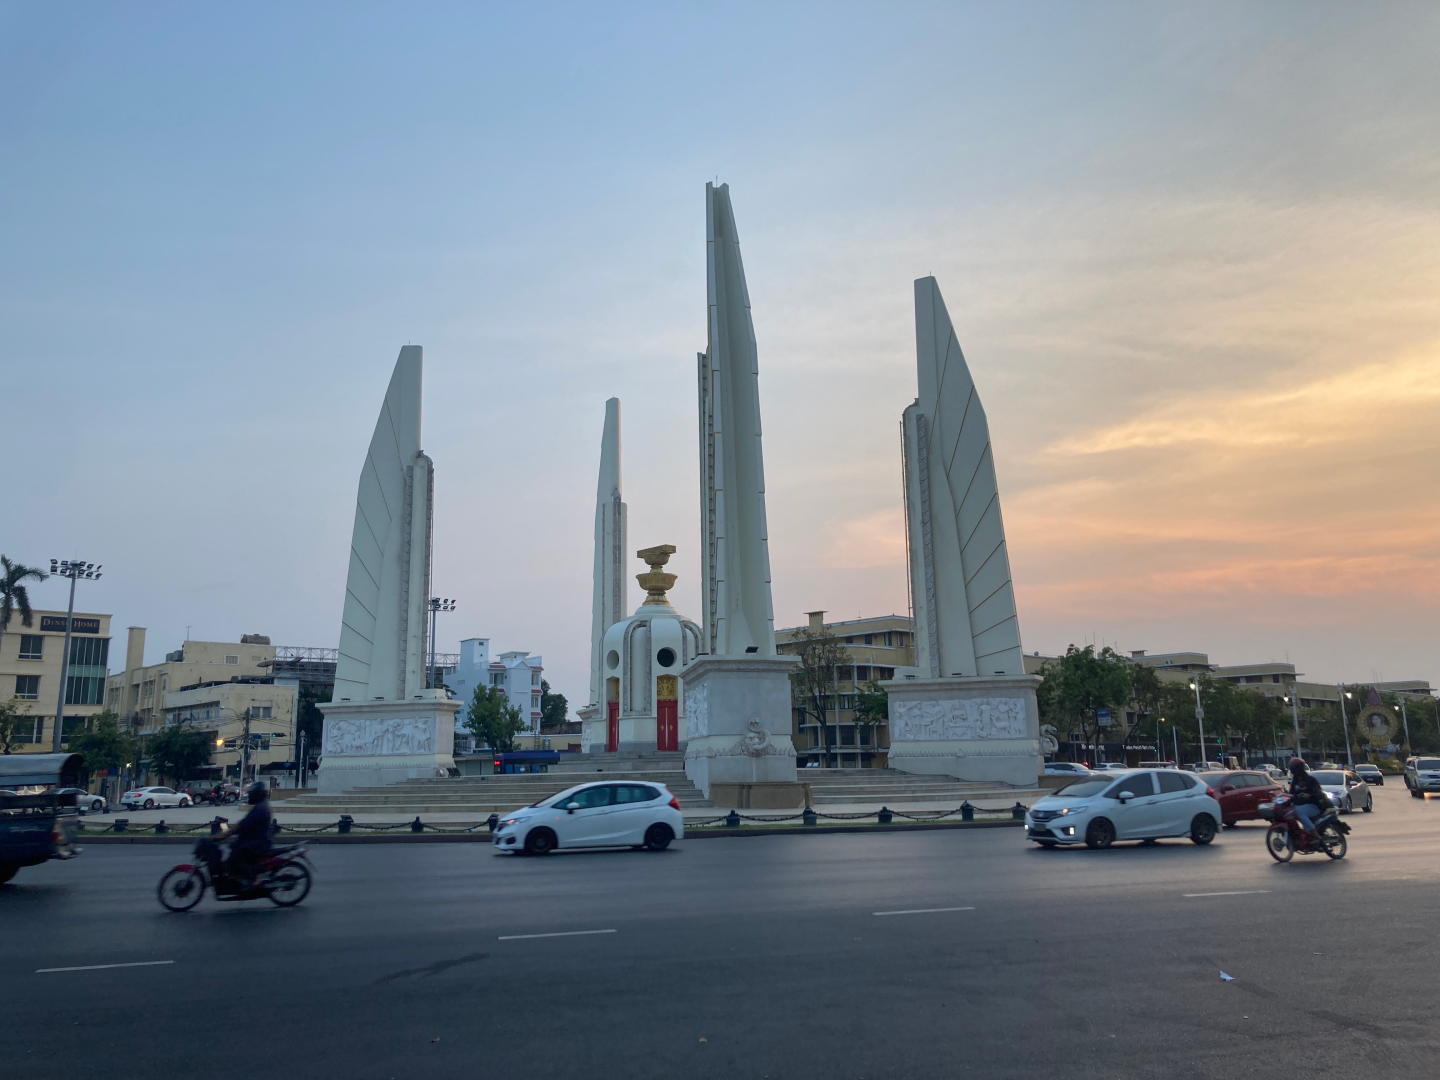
[874,648]
[219,688]
[31,661]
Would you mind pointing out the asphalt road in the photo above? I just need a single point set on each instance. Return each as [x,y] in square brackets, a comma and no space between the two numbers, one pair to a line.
[766,957]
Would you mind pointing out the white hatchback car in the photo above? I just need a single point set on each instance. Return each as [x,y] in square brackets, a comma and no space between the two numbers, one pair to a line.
[1136,805]
[606,813]
[147,798]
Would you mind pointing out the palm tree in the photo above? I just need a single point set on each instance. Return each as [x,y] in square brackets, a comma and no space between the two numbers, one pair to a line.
[13,595]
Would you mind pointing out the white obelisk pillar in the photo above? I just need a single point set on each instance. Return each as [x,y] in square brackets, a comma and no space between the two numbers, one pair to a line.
[610,583]
[737,698]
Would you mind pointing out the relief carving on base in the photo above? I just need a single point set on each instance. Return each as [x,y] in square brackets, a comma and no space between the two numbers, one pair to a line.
[697,715]
[379,738]
[972,718]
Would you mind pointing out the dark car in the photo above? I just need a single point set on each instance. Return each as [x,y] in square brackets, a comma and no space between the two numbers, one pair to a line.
[1371,774]
[1241,793]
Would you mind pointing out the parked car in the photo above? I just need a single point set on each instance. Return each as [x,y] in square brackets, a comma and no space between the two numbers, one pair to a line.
[597,814]
[1346,790]
[1110,766]
[1156,765]
[84,801]
[1142,804]
[1274,772]
[1065,768]
[1371,774]
[148,798]
[1422,774]
[1241,793]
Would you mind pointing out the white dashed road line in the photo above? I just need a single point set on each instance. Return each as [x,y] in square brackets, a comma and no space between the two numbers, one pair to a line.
[922,911]
[1241,892]
[103,967]
[566,933]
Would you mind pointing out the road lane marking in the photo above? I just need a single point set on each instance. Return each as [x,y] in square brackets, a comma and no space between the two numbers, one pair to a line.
[566,933]
[102,967]
[922,911]
[1241,892]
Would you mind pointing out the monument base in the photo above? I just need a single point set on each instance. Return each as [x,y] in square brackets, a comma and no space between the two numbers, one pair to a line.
[737,723]
[981,729]
[370,743]
[771,796]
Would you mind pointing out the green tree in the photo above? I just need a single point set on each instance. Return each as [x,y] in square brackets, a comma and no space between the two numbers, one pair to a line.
[554,709]
[872,705]
[13,594]
[1075,687]
[11,717]
[493,720]
[813,684]
[311,720]
[178,752]
[103,744]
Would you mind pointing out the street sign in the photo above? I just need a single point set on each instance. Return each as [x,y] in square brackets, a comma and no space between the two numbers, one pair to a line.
[1199,713]
[1102,717]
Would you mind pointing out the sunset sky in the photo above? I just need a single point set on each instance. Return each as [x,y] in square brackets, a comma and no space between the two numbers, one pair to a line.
[1192,253]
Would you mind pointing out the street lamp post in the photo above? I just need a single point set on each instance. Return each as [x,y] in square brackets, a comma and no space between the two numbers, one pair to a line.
[1345,723]
[1406,720]
[1295,712]
[437,605]
[1199,716]
[74,571]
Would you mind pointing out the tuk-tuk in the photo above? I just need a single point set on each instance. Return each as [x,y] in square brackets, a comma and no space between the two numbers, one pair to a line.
[37,823]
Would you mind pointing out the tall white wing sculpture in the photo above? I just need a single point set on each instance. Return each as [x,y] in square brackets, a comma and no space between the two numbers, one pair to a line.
[611,548]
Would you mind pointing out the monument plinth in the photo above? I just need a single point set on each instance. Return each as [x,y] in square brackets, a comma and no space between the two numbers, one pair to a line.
[981,728]
[739,750]
[367,743]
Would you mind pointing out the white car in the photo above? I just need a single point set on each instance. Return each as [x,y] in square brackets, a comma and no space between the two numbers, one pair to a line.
[1065,768]
[601,814]
[84,801]
[1347,791]
[1110,766]
[1138,805]
[147,798]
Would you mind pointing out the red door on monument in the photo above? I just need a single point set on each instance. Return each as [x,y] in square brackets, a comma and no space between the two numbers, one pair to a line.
[612,726]
[667,724]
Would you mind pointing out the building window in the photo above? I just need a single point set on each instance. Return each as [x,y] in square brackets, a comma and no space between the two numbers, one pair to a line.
[888,642]
[232,659]
[27,687]
[32,647]
[89,652]
[84,690]
[849,641]
[861,675]
[534,678]
[869,639]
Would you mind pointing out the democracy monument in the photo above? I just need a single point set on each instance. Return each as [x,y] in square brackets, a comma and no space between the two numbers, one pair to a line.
[715,691]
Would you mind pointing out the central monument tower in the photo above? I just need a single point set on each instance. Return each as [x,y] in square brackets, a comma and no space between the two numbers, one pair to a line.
[737,692]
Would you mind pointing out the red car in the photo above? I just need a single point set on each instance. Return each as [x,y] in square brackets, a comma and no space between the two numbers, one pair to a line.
[1241,793]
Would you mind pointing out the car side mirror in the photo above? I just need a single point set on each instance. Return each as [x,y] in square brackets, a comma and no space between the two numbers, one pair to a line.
[1227,787]
[1126,796]
[570,808]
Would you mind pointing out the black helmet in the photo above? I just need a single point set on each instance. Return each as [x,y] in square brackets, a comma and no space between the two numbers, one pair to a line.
[258,793]
[1297,765]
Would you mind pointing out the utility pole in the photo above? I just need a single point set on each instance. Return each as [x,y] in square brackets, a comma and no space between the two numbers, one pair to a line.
[1199,716]
[74,571]
[1345,723]
[245,747]
[1295,712]
[1406,719]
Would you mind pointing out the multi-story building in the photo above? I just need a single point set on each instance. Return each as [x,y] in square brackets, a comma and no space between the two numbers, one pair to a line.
[875,649]
[31,661]
[518,675]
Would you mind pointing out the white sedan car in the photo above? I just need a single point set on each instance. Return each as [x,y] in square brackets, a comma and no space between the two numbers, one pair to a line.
[1065,768]
[148,798]
[1137,805]
[603,814]
[1346,790]
[84,801]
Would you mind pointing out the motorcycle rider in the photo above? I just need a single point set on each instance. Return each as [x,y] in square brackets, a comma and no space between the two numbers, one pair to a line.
[1309,798]
[252,836]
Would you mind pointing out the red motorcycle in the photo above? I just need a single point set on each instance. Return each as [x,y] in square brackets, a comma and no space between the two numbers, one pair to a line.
[283,878]
[1286,835]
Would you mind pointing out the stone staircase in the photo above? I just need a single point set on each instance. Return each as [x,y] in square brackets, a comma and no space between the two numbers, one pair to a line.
[834,787]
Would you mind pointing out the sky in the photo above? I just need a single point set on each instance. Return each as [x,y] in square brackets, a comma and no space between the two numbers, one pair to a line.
[1192,253]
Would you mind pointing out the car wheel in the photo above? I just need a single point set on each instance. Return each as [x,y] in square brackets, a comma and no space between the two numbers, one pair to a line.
[658,837]
[1202,829]
[539,842]
[1415,793]
[1369,804]
[1100,834]
[96,806]
[1347,807]
[185,802]
[149,804]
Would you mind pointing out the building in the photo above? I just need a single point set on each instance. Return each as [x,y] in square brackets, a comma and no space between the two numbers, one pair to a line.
[30,671]
[517,674]
[214,687]
[876,648]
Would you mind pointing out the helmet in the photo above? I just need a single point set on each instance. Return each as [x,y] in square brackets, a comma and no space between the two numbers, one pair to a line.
[1297,765]
[257,793]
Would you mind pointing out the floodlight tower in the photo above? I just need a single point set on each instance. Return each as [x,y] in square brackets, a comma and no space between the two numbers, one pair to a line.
[75,571]
[437,605]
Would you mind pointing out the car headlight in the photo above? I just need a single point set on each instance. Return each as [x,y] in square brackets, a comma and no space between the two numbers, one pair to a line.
[509,821]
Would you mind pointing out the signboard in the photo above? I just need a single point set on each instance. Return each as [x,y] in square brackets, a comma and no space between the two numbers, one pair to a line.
[1102,717]
[55,624]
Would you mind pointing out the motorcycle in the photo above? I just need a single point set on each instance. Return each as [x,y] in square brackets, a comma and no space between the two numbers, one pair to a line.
[284,878]
[1287,835]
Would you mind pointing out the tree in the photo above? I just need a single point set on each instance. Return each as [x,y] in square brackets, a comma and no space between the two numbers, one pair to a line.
[178,752]
[13,594]
[813,683]
[103,744]
[493,720]
[10,717]
[554,709]
[311,720]
[1074,688]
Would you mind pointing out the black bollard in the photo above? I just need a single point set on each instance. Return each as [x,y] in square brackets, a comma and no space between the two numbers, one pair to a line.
[344,824]
[161,828]
[492,821]
[809,816]
[967,812]
[732,820]
[885,817]
[1017,812]
[120,823]
[416,825]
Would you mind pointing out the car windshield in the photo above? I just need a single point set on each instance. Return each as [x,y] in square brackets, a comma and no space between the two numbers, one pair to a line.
[1083,789]
[1330,779]
[1428,763]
